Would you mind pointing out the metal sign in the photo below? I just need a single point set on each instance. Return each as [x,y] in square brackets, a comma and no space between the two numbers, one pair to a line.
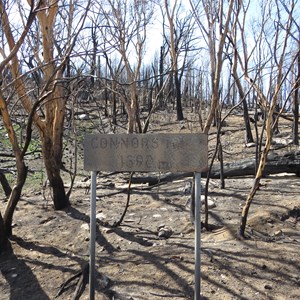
[146,152]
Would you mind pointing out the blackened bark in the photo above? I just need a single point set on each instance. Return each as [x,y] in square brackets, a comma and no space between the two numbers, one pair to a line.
[161,76]
[5,184]
[249,136]
[296,105]
[60,199]
[3,236]
[178,98]
[53,163]
[14,196]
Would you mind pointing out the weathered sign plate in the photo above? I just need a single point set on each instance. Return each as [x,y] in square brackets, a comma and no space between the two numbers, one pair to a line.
[146,152]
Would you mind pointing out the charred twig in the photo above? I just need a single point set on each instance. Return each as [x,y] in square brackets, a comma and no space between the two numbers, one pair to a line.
[82,281]
[127,203]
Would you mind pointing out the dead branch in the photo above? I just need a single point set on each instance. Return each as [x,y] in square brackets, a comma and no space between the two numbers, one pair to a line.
[83,276]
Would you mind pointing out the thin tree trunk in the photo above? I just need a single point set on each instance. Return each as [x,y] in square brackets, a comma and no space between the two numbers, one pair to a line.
[14,196]
[296,104]
[53,165]
[6,187]
[249,136]
[3,236]
[178,98]
[258,176]
[220,156]
[260,170]
[114,104]
[246,207]
[150,100]
[131,120]
[161,77]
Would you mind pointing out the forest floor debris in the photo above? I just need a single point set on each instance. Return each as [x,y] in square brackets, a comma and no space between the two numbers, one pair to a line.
[151,255]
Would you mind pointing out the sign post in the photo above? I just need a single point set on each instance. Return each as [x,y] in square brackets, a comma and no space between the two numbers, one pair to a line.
[145,153]
[92,235]
[197,235]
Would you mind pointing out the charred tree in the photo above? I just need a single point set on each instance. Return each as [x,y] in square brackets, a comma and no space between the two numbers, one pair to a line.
[296,102]
[5,185]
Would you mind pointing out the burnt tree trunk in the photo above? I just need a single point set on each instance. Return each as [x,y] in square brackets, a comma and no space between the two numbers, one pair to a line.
[178,97]
[249,136]
[161,76]
[3,236]
[296,104]
[15,195]
[53,162]
[5,185]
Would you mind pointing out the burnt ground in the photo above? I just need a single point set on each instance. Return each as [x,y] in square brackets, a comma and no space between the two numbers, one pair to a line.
[134,262]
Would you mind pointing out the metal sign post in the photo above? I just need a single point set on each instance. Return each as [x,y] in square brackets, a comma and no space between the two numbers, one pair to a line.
[197,235]
[92,235]
[144,153]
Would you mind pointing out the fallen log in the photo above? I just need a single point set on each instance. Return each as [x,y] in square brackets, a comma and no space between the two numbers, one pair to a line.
[287,163]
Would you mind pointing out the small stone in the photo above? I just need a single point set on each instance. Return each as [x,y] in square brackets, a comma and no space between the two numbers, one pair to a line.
[101,216]
[250,145]
[85,226]
[83,117]
[160,226]
[210,202]
[165,232]
[156,216]
[268,287]
[278,233]
[187,188]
